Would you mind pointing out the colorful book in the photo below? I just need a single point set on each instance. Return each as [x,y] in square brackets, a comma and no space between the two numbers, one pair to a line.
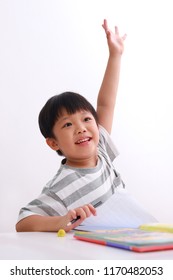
[134,239]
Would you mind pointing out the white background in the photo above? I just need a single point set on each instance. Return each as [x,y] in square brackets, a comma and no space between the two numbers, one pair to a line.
[50,46]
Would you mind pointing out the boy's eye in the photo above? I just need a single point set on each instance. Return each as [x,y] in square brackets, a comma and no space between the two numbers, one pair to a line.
[87,119]
[67,124]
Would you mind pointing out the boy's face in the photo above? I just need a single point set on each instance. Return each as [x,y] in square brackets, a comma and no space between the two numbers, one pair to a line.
[77,137]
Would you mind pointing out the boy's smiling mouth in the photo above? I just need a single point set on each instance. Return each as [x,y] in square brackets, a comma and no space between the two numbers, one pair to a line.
[83,140]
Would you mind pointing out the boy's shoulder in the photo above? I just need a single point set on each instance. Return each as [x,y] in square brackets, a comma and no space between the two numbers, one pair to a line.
[59,177]
[107,144]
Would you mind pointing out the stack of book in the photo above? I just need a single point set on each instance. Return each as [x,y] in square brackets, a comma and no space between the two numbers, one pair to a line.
[146,238]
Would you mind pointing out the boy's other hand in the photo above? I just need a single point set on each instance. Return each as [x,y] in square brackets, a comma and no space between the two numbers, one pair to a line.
[82,213]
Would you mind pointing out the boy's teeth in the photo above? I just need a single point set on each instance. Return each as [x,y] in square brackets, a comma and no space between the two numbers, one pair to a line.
[82,140]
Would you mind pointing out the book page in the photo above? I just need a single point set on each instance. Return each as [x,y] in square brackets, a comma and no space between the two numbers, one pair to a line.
[121,210]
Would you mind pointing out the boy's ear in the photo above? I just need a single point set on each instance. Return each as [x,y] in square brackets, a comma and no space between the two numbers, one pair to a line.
[52,143]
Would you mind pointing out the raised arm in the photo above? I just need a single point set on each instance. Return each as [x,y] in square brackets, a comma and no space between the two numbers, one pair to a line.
[108,90]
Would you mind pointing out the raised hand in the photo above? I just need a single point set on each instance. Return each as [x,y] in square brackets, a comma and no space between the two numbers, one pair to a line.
[115,41]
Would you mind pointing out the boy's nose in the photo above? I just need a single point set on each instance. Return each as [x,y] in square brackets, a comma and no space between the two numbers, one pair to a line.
[80,129]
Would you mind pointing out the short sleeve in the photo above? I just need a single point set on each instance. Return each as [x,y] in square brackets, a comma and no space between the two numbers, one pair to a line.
[106,143]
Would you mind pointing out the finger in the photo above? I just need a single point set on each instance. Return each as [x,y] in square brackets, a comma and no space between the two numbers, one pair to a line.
[81,212]
[124,36]
[87,211]
[72,214]
[116,30]
[105,26]
[75,215]
[92,209]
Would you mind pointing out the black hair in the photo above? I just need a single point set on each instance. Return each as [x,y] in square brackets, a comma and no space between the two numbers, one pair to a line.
[52,110]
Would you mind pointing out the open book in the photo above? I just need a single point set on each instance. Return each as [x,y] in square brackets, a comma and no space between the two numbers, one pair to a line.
[120,210]
[146,238]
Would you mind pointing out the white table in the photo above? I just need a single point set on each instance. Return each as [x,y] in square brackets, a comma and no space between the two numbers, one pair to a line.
[47,246]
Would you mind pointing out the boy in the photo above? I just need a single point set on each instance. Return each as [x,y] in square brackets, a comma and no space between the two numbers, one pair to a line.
[75,130]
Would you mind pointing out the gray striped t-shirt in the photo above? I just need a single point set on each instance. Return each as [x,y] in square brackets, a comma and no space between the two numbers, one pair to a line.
[73,187]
